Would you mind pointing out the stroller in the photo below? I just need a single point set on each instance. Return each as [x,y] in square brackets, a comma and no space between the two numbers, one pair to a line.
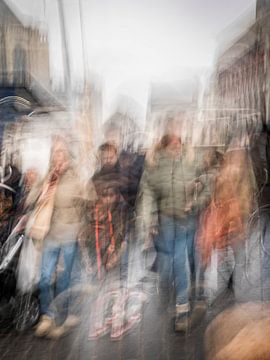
[17,310]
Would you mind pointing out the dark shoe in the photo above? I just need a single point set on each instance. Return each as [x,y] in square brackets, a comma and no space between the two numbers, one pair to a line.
[198,313]
[182,317]
[181,323]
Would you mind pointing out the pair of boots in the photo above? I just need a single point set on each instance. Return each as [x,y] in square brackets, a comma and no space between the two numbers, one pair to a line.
[185,319]
[47,327]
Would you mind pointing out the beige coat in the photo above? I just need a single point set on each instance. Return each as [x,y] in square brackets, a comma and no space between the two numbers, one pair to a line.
[69,204]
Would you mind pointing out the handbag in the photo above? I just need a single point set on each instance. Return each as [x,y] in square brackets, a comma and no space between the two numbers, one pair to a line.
[28,267]
[40,220]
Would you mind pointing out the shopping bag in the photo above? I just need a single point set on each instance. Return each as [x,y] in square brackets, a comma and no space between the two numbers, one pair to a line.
[40,220]
[28,267]
[12,245]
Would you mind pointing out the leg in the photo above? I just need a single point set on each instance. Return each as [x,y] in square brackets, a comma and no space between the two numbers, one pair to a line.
[225,267]
[164,266]
[50,258]
[69,252]
[195,265]
[181,281]
[164,244]
[63,280]
[180,268]
[191,251]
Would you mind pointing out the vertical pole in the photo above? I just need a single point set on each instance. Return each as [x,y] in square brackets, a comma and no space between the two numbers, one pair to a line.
[84,51]
[66,63]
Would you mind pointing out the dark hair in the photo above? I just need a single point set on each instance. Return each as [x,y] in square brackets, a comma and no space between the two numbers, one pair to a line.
[107,147]
[166,140]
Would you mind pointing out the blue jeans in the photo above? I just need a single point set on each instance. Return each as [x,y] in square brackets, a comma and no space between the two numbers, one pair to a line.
[175,255]
[50,259]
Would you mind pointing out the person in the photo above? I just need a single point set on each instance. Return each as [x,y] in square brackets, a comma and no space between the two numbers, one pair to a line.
[54,229]
[224,223]
[124,170]
[167,191]
[104,244]
[103,239]
[9,199]
[109,168]
[131,168]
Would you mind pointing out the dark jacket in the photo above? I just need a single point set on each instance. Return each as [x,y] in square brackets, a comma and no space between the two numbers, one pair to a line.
[105,227]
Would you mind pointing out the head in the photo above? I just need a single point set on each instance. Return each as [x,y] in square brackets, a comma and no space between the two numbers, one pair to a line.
[171,144]
[60,155]
[30,177]
[211,158]
[109,196]
[108,155]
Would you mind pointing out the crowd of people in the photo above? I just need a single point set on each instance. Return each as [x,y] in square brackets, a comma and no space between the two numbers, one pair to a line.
[186,205]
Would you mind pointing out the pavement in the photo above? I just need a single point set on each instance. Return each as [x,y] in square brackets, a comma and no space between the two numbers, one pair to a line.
[152,339]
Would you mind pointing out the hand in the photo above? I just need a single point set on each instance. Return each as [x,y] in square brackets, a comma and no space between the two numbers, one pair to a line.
[188,206]
[153,231]
[199,187]
[149,241]
[84,233]
[112,261]
[123,247]
[110,250]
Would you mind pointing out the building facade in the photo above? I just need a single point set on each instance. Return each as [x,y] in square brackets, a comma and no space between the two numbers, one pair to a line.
[239,94]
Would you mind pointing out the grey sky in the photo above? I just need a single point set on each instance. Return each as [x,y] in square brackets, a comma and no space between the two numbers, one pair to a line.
[131,42]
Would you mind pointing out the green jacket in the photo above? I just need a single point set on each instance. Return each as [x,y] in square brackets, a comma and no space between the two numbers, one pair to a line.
[167,189]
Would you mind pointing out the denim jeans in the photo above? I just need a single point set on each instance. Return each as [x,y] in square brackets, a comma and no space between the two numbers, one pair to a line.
[175,255]
[50,259]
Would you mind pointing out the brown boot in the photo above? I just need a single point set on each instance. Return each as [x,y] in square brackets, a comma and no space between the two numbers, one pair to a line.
[198,313]
[182,318]
[46,323]
[60,331]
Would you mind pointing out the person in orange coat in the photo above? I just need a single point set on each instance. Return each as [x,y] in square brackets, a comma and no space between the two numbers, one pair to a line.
[224,223]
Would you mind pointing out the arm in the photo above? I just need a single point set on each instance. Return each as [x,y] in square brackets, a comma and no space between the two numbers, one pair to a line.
[149,201]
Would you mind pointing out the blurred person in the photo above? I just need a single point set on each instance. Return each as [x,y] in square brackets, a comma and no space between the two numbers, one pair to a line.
[207,176]
[103,238]
[109,168]
[124,170]
[224,223]
[20,206]
[203,189]
[131,167]
[9,199]
[109,174]
[28,181]
[167,186]
[54,228]
[104,244]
